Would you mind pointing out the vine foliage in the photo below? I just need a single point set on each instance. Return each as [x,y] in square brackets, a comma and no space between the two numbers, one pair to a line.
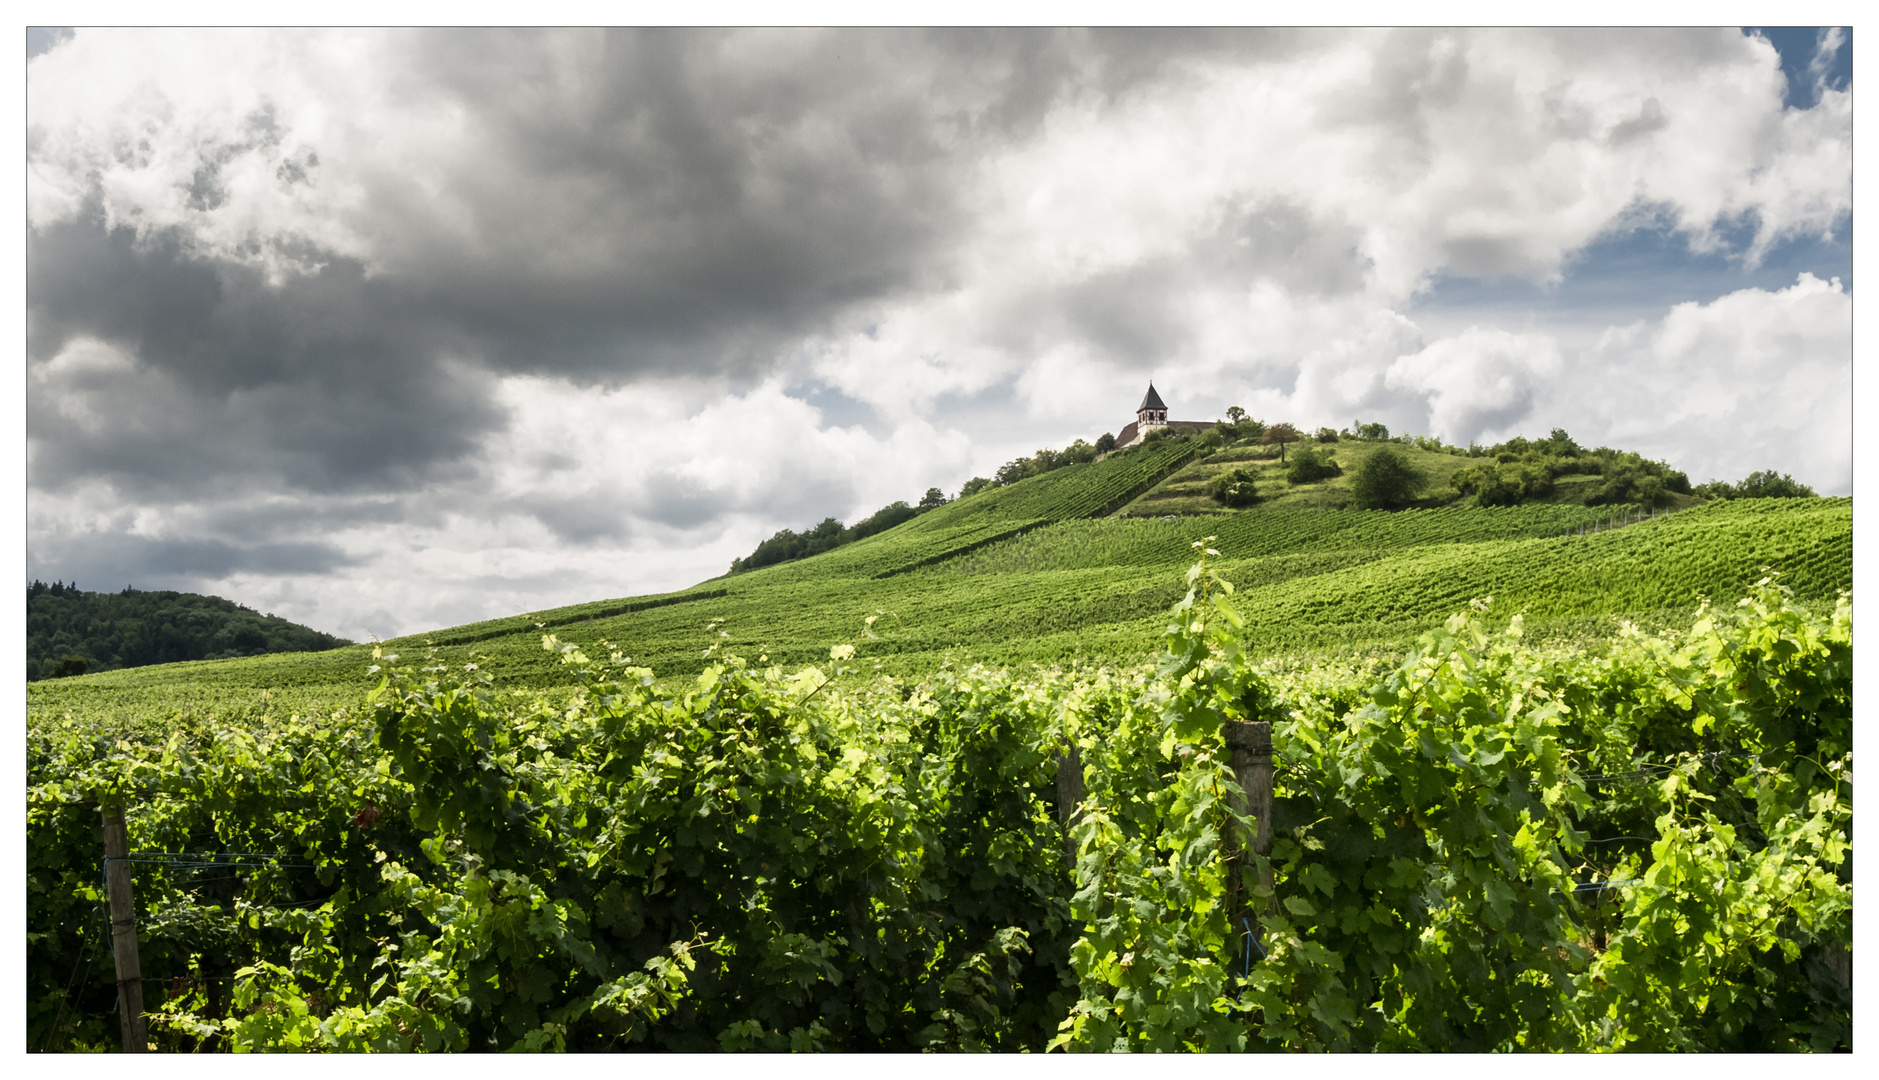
[1486,846]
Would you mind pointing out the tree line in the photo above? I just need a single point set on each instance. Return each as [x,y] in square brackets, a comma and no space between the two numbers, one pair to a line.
[788,545]
[70,631]
[1519,470]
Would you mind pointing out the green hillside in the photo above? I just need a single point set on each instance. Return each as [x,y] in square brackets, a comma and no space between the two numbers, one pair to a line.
[1574,478]
[70,631]
[1061,567]
[744,837]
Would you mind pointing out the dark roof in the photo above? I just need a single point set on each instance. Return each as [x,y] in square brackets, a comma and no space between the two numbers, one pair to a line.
[1126,435]
[1152,401]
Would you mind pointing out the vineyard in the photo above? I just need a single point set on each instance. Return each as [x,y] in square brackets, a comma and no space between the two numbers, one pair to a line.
[953,584]
[1640,843]
[965,784]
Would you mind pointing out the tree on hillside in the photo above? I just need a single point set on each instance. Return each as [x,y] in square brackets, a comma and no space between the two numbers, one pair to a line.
[973,487]
[1105,442]
[881,520]
[1235,414]
[1281,433]
[824,535]
[1327,434]
[932,500]
[1560,444]
[1385,481]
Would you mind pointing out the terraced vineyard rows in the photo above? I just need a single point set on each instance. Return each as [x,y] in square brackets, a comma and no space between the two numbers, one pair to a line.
[1186,493]
[1079,491]
[1096,590]
[957,528]
[1146,542]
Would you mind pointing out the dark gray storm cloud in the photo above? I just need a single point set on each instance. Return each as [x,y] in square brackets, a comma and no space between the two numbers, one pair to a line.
[1131,314]
[452,300]
[642,203]
[321,386]
[108,560]
[631,203]
[581,520]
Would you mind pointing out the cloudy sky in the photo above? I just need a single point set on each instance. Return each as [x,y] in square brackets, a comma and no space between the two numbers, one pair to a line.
[390,330]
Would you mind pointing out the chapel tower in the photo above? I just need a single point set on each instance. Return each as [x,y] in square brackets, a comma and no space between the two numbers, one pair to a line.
[1151,412]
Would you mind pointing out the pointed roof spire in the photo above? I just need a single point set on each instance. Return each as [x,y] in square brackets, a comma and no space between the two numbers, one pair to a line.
[1152,401]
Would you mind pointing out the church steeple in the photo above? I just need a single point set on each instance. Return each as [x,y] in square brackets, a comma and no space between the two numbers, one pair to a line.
[1152,412]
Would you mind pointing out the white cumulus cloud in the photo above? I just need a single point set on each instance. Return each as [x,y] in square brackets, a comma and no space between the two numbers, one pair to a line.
[1752,380]
[388,326]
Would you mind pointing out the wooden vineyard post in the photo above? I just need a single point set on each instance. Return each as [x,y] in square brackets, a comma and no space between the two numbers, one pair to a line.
[130,982]
[1250,748]
[1069,796]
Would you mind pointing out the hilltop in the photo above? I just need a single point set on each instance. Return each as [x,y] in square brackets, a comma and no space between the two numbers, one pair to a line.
[1079,562]
[70,631]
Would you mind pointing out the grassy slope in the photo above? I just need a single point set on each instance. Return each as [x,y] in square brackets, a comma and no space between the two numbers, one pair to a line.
[1025,574]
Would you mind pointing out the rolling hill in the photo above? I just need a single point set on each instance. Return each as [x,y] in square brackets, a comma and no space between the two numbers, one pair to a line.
[747,838]
[70,631]
[1080,564]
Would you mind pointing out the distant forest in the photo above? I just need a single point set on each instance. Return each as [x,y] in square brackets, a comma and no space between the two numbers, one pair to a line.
[71,632]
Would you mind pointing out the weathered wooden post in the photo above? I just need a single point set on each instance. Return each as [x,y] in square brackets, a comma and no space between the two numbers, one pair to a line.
[1249,746]
[1069,795]
[130,981]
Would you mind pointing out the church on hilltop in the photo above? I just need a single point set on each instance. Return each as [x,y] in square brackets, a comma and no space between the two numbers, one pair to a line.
[1152,413]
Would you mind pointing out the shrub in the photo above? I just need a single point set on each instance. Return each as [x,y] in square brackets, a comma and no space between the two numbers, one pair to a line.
[71,665]
[1105,443]
[1234,487]
[1756,485]
[1326,434]
[1385,481]
[1309,466]
[1629,482]
[1504,484]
